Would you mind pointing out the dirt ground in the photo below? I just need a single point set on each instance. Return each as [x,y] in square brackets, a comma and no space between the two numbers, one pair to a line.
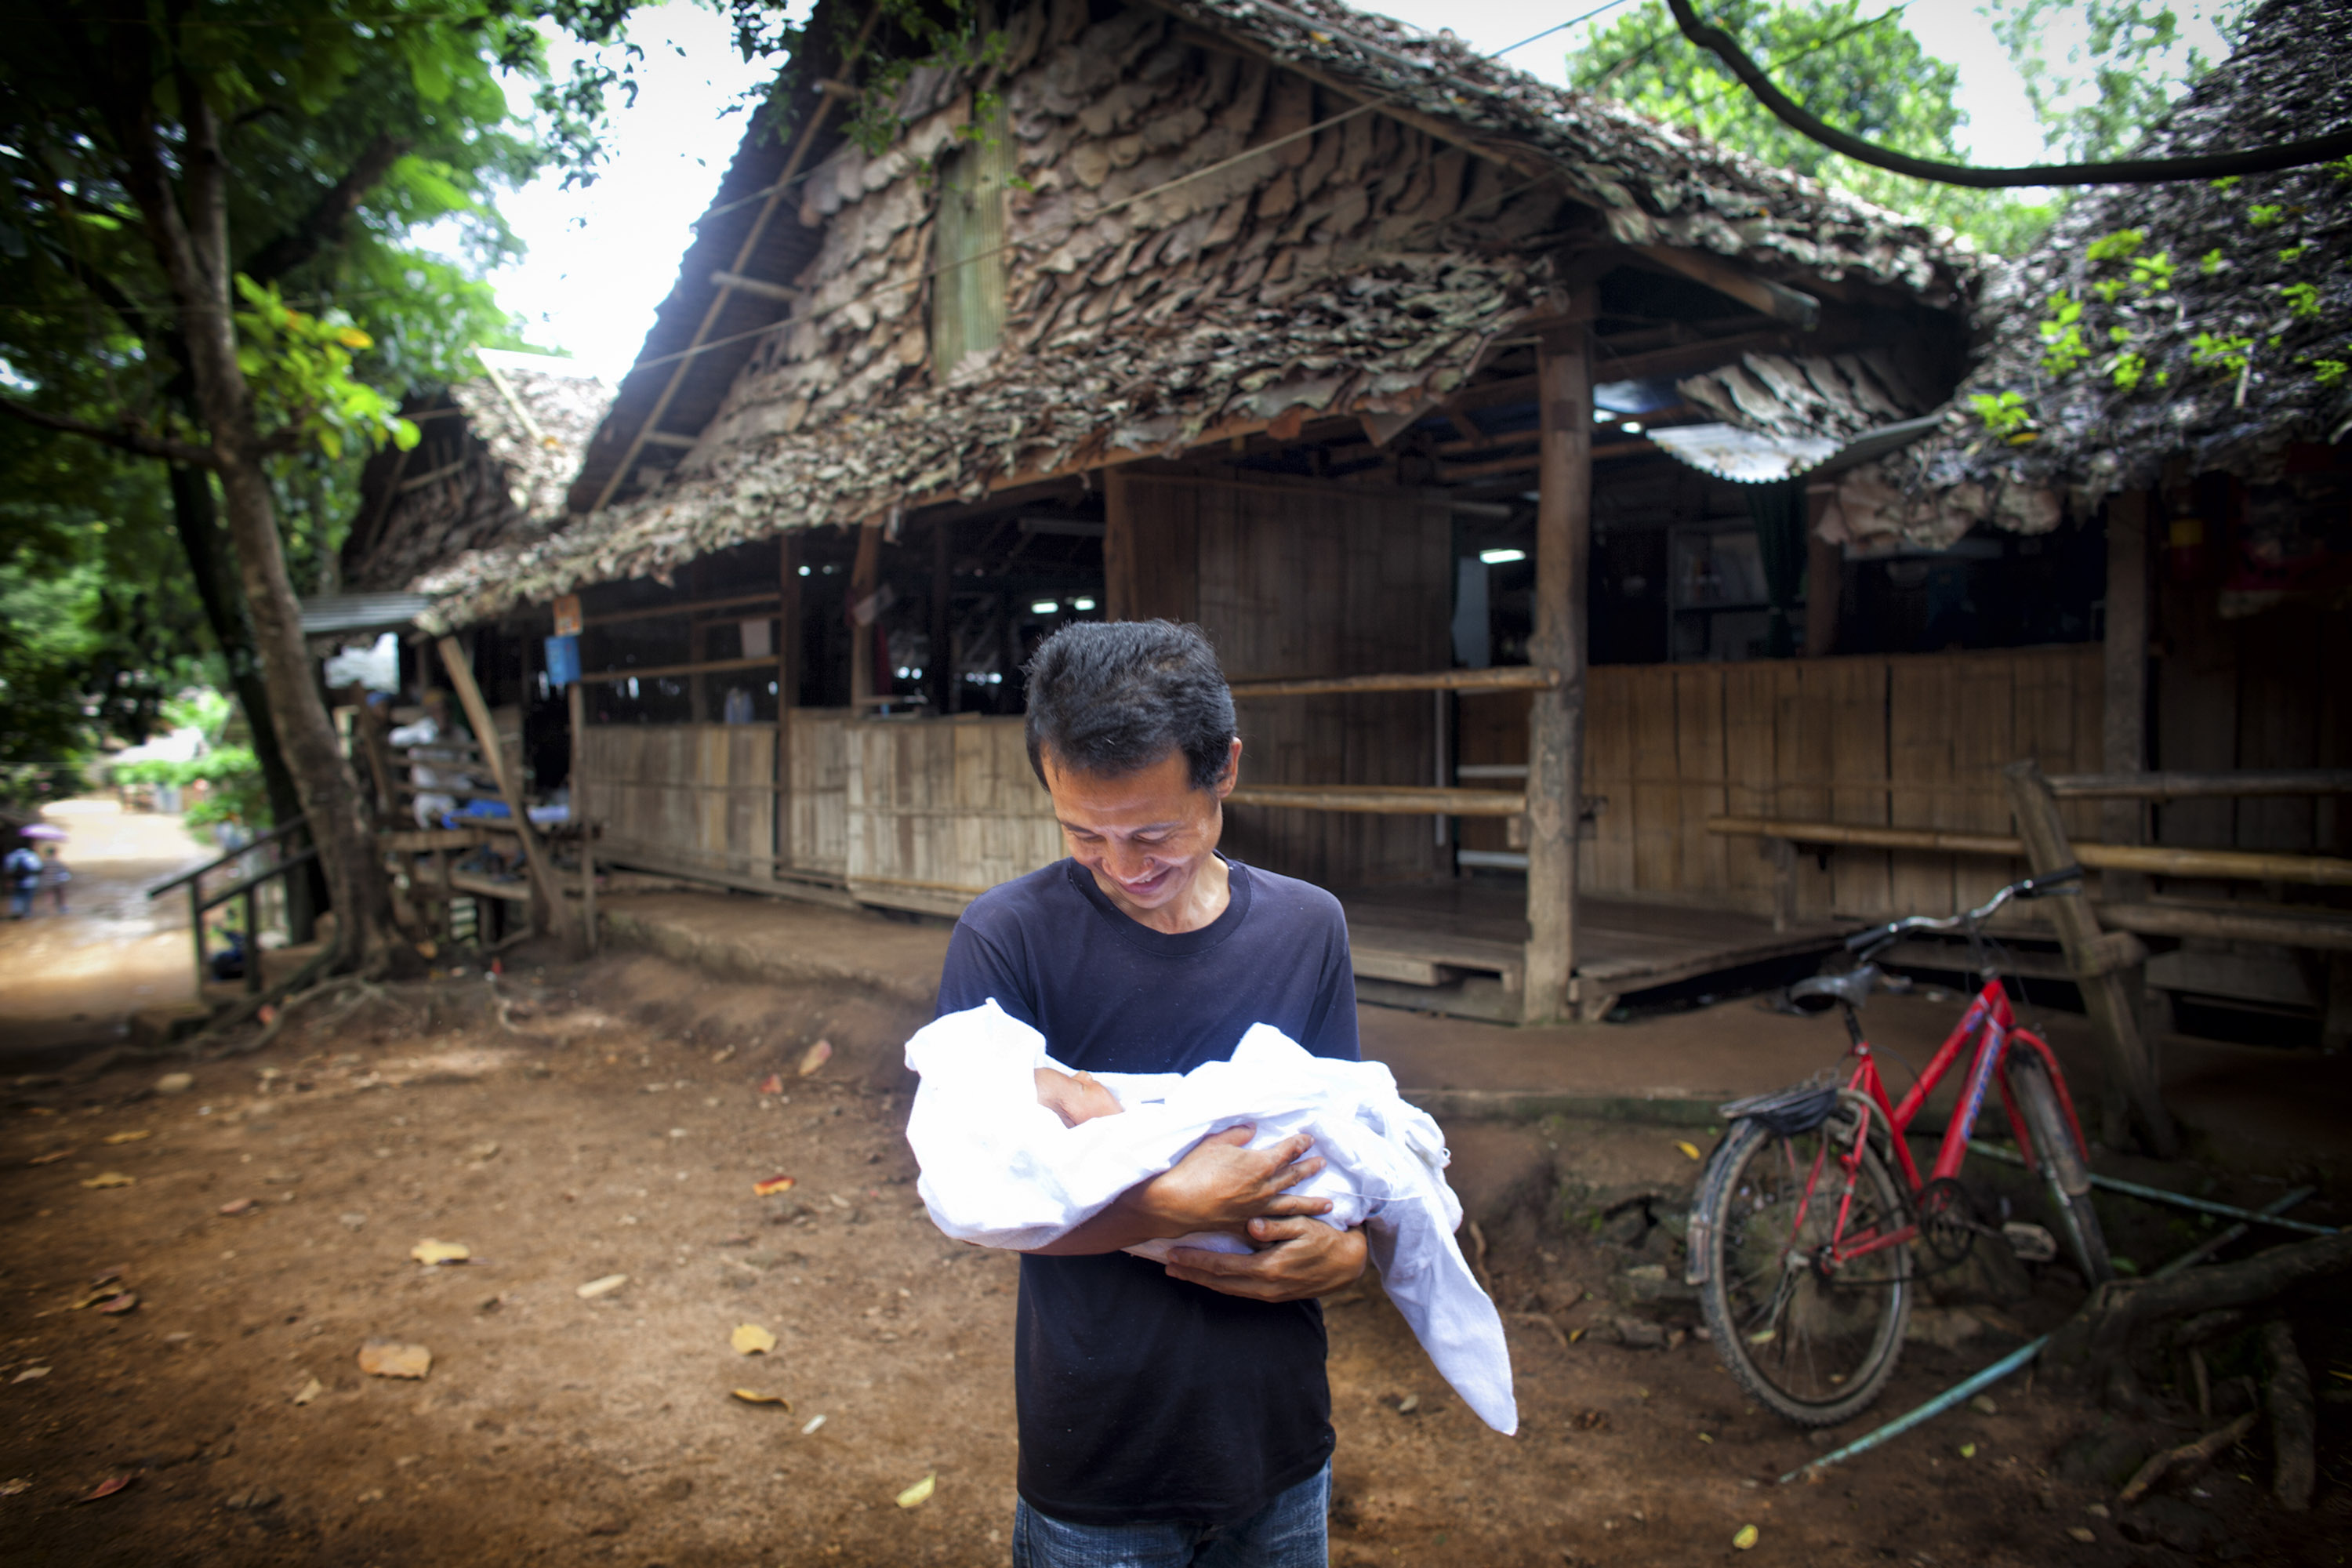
[610,1121]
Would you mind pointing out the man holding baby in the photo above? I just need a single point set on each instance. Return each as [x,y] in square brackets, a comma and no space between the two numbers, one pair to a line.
[1169,1415]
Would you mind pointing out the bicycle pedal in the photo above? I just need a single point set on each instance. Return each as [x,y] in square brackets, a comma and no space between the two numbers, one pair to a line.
[2032,1243]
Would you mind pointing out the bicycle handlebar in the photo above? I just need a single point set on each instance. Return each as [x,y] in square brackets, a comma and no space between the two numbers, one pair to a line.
[2065,880]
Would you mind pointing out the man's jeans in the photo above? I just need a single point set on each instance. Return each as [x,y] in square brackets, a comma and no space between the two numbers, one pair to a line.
[1288,1532]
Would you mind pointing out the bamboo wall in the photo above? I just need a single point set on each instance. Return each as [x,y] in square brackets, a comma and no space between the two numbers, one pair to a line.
[1304,579]
[701,799]
[905,814]
[941,810]
[1905,740]
[924,815]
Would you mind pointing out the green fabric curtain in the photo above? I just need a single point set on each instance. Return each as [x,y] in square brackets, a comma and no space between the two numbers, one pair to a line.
[1779,510]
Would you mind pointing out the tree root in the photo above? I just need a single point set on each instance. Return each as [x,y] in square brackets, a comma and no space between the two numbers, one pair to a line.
[2292,1418]
[289,996]
[2187,1459]
[2094,1348]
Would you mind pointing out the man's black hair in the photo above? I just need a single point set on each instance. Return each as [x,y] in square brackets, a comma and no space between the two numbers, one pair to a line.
[1109,697]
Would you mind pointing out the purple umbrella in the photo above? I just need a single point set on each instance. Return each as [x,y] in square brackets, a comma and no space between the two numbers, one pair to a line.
[42,830]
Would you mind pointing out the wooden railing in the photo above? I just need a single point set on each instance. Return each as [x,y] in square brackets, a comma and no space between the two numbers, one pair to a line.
[245,892]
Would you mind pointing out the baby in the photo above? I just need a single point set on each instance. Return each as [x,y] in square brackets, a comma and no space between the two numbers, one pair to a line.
[1016,1150]
[1075,1097]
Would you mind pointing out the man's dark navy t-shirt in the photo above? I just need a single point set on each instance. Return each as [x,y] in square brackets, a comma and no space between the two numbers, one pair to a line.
[1142,1397]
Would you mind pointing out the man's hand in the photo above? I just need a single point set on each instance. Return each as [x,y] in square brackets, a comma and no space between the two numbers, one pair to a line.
[1222,1184]
[1300,1257]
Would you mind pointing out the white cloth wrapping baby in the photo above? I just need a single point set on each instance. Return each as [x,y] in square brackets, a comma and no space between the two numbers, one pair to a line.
[1000,1170]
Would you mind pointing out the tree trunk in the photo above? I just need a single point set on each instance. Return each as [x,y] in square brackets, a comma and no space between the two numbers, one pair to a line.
[197,522]
[186,222]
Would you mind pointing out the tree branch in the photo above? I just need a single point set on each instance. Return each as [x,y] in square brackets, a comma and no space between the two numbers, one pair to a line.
[123,439]
[323,224]
[2126,172]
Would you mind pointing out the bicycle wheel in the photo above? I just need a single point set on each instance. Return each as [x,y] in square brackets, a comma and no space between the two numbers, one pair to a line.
[1814,1346]
[2065,1172]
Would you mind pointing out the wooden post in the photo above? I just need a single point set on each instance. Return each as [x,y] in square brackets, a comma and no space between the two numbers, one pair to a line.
[941,662]
[1824,577]
[578,699]
[2122,726]
[2122,723]
[477,714]
[1118,549]
[1556,716]
[2131,1093]
[698,686]
[861,579]
[788,683]
[587,885]
[252,939]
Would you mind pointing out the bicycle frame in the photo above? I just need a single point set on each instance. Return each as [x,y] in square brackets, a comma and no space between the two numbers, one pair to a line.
[1992,1024]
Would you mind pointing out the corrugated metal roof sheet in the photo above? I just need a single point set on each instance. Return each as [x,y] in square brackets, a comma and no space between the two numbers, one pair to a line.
[327,613]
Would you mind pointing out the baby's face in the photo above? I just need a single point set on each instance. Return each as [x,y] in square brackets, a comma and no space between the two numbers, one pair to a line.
[1075,1099]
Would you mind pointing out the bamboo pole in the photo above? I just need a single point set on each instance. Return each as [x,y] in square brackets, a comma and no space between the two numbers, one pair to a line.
[691,608]
[699,666]
[2201,786]
[477,714]
[2244,865]
[1392,800]
[2130,1095]
[2227,924]
[1506,678]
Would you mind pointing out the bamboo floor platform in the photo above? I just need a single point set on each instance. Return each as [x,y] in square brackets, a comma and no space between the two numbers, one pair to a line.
[1458,947]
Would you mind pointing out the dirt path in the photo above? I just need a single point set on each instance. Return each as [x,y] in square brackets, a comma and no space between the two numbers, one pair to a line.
[71,979]
[614,1124]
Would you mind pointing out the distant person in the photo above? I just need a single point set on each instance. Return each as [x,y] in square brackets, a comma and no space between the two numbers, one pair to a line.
[24,871]
[55,876]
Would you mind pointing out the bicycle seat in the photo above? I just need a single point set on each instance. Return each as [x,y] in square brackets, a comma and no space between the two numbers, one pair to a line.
[1785,1111]
[1824,992]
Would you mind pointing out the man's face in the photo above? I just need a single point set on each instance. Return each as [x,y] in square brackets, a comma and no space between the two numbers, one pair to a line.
[1145,835]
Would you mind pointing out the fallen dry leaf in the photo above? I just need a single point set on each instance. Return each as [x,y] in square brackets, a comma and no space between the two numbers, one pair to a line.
[429,1252]
[750,1339]
[14,1487]
[110,1179]
[772,1084]
[236,1207]
[605,1286]
[95,1294]
[125,1303]
[128,1137]
[1691,1149]
[309,1392]
[920,1493]
[382,1357]
[30,1374]
[815,1057]
[1746,1538]
[753,1396]
[772,1185]
[109,1486]
[51,1158]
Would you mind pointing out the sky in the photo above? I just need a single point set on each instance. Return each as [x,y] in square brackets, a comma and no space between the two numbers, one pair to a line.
[600,258]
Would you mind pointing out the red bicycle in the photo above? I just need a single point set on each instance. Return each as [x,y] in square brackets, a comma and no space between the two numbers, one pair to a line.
[1802,1236]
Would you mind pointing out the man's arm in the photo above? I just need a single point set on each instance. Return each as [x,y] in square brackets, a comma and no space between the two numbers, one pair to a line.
[1221,1184]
